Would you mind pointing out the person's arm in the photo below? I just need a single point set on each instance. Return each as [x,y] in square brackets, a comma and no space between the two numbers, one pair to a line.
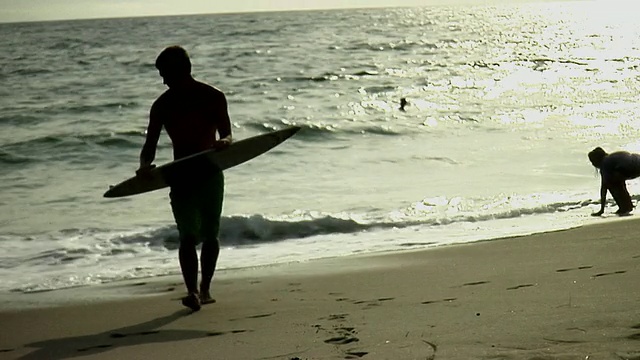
[148,153]
[603,198]
[223,122]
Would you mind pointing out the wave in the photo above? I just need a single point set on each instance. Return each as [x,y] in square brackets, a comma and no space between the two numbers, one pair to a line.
[242,230]
[310,131]
[8,158]
[29,71]
[71,109]
[69,43]
[401,46]
[96,108]
[330,76]
[71,141]
[321,131]
[253,229]
[19,119]
[68,146]
[327,76]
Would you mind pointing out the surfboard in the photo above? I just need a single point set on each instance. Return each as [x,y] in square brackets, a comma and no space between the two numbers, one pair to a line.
[237,153]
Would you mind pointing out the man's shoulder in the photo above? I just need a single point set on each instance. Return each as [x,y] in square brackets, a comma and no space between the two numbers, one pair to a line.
[202,86]
[161,100]
[164,97]
[618,155]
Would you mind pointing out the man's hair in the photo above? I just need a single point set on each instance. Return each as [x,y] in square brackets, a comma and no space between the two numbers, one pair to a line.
[174,60]
[596,155]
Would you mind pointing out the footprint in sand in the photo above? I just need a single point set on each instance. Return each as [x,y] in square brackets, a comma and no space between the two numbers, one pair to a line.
[218,333]
[255,316]
[341,340]
[438,301]
[575,268]
[342,335]
[634,336]
[260,316]
[345,335]
[339,298]
[609,273]
[334,317]
[475,283]
[355,354]
[372,303]
[520,286]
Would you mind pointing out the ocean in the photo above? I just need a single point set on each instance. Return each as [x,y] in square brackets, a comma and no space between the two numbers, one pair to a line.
[504,102]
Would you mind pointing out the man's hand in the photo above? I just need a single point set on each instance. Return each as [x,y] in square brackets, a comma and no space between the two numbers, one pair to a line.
[144,170]
[222,144]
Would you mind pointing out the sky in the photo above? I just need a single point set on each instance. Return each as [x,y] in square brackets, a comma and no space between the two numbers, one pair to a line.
[40,10]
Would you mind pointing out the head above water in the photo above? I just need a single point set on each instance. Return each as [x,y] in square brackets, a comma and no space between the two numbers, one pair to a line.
[174,65]
[596,156]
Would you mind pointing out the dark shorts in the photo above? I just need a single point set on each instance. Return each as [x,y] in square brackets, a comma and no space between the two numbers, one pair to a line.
[197,207]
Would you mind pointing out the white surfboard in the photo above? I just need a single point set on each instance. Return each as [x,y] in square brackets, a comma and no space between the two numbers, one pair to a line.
[235,154]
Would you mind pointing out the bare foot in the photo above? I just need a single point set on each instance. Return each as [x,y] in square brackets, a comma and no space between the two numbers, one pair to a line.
[624,212]
[205,298]
[192,301]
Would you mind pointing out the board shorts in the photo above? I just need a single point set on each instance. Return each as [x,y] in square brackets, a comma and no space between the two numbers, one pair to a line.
[197,206]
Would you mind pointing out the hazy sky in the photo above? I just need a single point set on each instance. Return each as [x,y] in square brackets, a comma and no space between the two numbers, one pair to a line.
[34,10]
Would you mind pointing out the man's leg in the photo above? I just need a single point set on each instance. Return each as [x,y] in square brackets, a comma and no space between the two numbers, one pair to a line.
[208,260]
[186,217]
[211,213]
[189,263]
[621,196]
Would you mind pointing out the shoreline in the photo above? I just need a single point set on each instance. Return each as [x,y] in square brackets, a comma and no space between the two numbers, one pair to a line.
[568,294]
[128,289]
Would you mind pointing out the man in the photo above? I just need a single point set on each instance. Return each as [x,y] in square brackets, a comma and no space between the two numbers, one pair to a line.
[403,104]
[192,113]
[615,169]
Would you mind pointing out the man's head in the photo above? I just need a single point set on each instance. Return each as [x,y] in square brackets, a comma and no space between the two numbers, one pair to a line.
[596,156]
[174,65]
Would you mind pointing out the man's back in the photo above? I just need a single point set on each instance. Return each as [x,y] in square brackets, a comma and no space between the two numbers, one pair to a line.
[191,115]
[621,162]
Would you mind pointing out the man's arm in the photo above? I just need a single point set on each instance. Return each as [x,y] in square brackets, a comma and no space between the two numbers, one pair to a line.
[223,122]
[603,198]
[148,153]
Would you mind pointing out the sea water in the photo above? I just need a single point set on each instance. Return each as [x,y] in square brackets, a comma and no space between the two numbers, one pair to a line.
[504,102]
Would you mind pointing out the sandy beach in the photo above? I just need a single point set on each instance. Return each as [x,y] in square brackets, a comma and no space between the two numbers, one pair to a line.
[570,294]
